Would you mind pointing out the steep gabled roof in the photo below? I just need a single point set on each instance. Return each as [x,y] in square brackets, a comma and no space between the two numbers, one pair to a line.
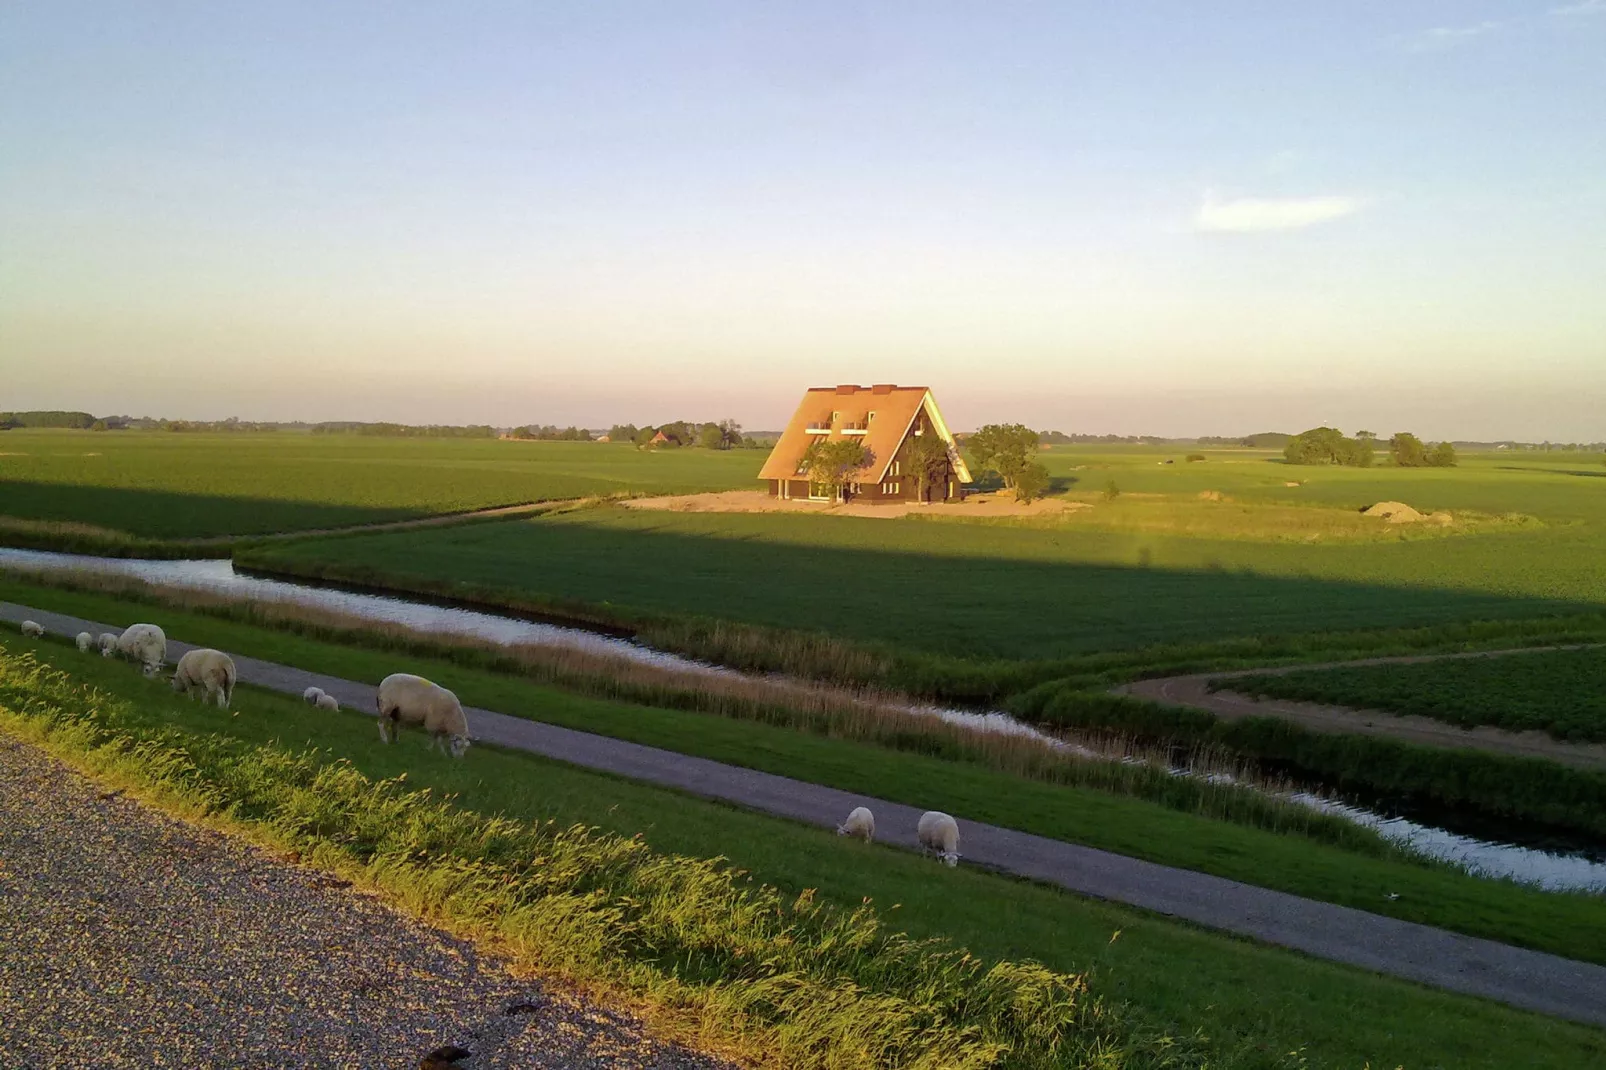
[895,409]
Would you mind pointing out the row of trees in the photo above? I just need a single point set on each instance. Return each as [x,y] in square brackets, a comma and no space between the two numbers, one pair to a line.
[1328,445]
[550,433]
[724,435]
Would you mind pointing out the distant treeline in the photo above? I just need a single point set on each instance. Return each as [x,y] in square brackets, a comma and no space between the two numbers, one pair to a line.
[1060,438]
[679,434]
[389,430]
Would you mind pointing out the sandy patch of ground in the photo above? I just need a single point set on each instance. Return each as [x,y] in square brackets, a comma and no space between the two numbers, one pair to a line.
[978,506]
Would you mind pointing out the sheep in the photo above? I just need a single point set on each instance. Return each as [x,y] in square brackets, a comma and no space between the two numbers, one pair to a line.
[861,822]
[328,702]
[311,695]
[407,699]
[107,643]
[33,629]
[145,644]
[85,642]
[211,670]
[939,834]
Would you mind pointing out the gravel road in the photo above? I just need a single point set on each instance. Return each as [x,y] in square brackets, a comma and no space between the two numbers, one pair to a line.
[131,939]
[1532,980]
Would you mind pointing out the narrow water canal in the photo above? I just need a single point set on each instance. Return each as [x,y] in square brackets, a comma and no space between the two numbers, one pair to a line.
[1574,869]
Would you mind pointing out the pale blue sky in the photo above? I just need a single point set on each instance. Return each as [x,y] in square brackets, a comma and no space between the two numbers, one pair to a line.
[1157,217]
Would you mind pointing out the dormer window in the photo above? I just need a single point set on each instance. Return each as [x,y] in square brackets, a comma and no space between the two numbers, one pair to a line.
[836,416]
[871,416]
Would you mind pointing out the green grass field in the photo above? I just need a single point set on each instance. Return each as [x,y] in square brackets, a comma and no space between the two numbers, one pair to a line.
[1568,924]
[1560,692]
[1015,591]
[1253,1007]
[174,486]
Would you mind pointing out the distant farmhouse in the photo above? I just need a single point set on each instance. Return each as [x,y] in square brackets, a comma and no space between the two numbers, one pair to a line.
[886,419]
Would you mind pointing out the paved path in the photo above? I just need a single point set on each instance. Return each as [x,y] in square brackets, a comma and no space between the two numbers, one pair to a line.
[1194,691]
[1522,978]
[135,940]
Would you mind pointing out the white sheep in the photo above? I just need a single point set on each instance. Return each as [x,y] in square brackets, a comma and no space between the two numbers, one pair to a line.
[145,644]
[311,695]
[86,642]
[939,834]
[861,822]
[407,699]
[33,629]
[107,643]
[210,670]
[328,702]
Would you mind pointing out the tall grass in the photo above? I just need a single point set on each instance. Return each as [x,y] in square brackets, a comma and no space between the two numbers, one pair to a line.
[881,719]
[78,538]
[1469,781]
[702,953]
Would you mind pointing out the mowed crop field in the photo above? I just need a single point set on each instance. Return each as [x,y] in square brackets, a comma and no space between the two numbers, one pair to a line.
[1047,587]
[1562,692]
[169,485]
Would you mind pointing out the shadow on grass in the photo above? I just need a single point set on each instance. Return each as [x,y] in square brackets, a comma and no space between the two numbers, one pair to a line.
[964,602]
[159,514]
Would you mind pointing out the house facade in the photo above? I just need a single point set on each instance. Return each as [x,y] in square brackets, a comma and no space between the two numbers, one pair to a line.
[886,419]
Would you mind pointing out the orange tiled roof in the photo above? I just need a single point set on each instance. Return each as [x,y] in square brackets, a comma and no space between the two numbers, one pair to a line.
[835,413]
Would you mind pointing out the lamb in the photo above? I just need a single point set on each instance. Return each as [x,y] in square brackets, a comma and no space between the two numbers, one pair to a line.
[328,702]
[861,822]
[939,834]
[145,644]
[211,670]
[33,629]
[107,643]
[311,695]
[85,642]
[407,699]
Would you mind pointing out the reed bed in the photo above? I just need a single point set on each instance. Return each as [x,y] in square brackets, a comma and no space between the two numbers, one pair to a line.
[1227,788]
[702,953]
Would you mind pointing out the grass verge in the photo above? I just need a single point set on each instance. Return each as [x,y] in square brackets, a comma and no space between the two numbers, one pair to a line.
[1568,924]
[707,955]
[1248,1007]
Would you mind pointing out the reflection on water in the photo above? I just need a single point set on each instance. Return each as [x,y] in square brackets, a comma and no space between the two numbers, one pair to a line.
[1583,871]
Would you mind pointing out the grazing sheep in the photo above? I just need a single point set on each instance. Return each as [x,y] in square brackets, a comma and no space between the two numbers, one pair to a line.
[407,699]
[328,702]
[311,695]
[85,642]
[107,643]
[145,644]
[210,670]
[859,823]
[939,834]
[33,629]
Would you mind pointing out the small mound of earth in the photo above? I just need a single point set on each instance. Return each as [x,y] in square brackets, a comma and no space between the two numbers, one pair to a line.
[1290,484]
[1211,496]
[1400,513]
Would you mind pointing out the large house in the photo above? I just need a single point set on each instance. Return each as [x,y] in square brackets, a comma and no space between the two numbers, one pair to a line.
[886,419]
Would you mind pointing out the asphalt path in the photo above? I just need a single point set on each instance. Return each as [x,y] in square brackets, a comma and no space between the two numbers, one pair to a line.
[1523,978]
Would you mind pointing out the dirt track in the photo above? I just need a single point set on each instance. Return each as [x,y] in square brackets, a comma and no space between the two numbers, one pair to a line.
[975,506]
[1193,691]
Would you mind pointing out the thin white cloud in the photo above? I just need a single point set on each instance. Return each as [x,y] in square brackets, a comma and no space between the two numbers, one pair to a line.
[1244,215]
[1584,7]
[1442,37]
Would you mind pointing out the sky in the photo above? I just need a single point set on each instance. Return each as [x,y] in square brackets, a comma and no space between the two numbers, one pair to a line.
[1151,218]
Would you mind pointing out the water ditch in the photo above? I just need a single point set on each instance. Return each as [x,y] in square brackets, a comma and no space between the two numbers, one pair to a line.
[1537,860]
